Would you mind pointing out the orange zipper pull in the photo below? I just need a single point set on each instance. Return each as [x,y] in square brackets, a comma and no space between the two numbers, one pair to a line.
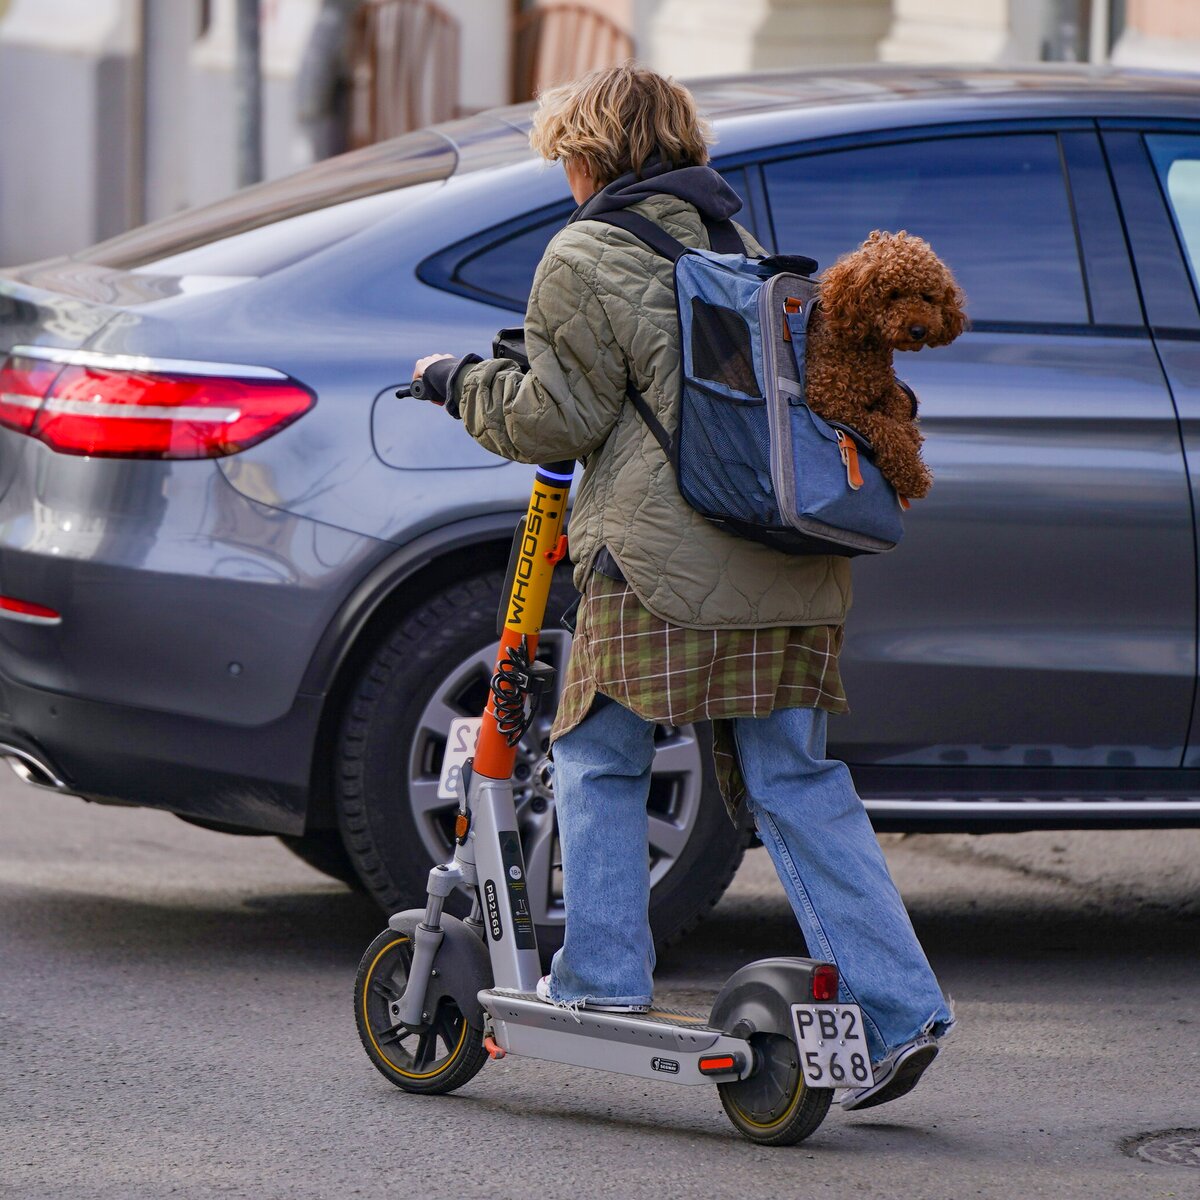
[849,452]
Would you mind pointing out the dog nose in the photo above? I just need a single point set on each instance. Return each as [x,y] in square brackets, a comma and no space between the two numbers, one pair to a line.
[917,332]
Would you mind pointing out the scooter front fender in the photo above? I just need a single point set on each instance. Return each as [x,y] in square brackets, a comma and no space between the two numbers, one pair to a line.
[462,967]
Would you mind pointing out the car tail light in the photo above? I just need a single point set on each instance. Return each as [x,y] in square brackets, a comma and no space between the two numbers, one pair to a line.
[825,983]
[26,610]
[114,407]
[23,384]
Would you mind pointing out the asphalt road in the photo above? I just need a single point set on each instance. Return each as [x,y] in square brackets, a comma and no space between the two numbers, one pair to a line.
[175,1020]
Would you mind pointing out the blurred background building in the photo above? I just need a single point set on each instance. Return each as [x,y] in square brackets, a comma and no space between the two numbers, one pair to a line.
[116,112]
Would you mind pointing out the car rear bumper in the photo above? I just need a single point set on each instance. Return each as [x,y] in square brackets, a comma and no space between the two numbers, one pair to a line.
[249,777]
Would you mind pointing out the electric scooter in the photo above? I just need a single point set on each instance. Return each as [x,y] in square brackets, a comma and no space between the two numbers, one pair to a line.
[437,996]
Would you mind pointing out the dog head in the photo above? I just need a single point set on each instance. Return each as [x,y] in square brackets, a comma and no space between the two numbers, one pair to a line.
[893,290]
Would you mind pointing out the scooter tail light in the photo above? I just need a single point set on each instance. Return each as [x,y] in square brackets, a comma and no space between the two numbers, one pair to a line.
[825,983]
[109,413]
[24,382]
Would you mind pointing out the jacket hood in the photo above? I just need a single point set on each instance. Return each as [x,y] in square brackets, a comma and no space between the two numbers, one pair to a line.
[701,187]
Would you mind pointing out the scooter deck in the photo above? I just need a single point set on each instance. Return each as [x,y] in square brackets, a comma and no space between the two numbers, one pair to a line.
[656,1016]
[655,1045]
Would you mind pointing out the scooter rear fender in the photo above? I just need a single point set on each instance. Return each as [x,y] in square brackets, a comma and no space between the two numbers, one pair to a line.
[759,997]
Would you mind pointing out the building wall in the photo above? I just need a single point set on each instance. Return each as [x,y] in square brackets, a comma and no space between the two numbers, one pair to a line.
[66,150]
[1160,33]
[712,37]
[122,137]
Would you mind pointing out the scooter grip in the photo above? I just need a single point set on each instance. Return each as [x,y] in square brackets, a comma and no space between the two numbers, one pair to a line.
[417,390]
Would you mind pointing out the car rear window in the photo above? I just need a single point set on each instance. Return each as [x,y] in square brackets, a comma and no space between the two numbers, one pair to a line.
[498,265]
[995,207]
[292,217]
[1177,160]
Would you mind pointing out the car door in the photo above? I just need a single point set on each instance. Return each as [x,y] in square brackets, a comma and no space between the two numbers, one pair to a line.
[1041,610]
[1156,167]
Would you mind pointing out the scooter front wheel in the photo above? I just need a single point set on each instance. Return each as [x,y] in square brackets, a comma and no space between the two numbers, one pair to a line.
[437,1056]
[773,1106]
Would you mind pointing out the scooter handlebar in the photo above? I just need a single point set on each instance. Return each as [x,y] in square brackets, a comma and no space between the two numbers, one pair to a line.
[415,391]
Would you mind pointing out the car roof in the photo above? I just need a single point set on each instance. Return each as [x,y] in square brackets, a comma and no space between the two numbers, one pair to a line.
[884,93]
[880,83]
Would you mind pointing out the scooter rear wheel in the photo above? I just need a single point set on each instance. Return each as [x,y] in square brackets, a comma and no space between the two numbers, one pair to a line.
[435,1057]
[773,1107]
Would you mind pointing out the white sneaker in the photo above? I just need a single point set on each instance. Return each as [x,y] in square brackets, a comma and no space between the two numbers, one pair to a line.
[895,1076]
[543,994]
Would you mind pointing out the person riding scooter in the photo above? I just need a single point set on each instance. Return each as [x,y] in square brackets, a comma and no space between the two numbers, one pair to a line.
[679,620]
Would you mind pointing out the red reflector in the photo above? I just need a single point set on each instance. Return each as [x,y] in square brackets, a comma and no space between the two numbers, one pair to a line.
[26,610]
[23,383]
[142,414]
[825,982]
[721,1064]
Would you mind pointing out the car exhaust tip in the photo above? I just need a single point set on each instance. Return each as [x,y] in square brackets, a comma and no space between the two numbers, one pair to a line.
[31,770]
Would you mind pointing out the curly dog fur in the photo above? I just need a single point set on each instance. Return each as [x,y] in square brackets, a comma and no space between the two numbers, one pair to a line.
[892,293]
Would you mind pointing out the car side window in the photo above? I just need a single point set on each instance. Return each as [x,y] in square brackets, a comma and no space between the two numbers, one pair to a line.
[995,207]
[1177,161]
[502,270]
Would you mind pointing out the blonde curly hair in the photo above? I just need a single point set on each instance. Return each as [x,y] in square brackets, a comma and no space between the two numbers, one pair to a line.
[616,119]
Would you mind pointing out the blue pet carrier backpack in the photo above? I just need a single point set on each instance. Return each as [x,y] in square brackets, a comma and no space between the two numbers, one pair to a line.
[749,454]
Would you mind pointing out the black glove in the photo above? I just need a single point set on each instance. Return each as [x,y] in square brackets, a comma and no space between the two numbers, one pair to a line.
[440,378]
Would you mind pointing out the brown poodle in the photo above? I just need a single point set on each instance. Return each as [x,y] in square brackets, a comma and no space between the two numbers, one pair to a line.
[892,293]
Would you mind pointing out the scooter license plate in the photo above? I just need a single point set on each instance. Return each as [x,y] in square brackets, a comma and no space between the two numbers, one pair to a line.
[832,1045]
[460,745]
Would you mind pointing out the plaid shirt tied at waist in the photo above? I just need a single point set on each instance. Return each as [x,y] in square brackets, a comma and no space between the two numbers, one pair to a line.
[673,675]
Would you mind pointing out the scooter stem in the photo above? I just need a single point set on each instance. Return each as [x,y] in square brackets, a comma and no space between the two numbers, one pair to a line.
[486,804]
[541,547]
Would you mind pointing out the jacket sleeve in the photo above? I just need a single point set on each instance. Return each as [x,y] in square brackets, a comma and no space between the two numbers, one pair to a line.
[567,404]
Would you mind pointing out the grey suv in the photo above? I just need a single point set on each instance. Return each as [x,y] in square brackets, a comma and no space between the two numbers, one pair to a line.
[241,580]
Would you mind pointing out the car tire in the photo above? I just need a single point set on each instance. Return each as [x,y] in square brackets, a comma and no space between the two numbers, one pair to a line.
[434,664]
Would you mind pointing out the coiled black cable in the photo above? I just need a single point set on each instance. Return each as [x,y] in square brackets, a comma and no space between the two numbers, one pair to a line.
[512,684]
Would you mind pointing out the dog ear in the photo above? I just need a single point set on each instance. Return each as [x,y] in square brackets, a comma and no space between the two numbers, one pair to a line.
[954,317]
[849,292]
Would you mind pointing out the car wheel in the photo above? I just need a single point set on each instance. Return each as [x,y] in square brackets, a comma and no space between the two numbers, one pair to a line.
[435,665]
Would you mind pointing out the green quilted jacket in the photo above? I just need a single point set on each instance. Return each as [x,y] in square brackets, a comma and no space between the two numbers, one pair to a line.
[603,304]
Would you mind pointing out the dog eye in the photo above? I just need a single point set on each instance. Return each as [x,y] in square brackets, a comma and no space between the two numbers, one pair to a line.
[894,294]
[927,299]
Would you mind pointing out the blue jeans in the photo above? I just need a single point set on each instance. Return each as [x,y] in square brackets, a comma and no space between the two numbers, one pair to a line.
[815,828]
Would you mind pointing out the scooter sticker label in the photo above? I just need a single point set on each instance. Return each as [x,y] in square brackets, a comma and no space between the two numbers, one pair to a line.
[493,910]
[518,892]
[667,1065]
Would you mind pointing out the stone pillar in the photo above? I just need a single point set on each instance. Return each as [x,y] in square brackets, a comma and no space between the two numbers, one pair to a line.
[987,31]
[714,37]
[948,31]
[1160,33]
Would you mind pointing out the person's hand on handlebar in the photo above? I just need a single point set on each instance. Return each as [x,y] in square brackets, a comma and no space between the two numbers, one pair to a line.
[423,363]
[437,373]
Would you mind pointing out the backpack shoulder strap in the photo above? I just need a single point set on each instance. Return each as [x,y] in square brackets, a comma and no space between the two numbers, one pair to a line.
[656,427]
[645,230]
[723,237]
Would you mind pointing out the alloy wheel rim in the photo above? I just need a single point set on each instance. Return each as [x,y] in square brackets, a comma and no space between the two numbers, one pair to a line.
[676,781]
